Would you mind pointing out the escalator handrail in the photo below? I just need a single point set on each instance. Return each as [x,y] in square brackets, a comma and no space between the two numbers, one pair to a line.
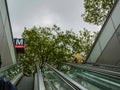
[109,73]
[69,81]
[7,67]
[16,80]
[41,85]
[96,64]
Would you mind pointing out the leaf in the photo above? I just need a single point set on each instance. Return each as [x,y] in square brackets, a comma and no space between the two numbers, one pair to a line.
[96,10]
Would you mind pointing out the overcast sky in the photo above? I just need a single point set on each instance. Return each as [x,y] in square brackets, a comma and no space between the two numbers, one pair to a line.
[64,13]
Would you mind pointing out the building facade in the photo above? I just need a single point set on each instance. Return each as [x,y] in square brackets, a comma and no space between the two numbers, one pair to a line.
[106,49]
[7,51]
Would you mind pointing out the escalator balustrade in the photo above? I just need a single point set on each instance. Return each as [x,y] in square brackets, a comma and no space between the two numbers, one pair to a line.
[91,80]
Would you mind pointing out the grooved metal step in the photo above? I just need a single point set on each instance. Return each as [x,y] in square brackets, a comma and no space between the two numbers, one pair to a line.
[26,83]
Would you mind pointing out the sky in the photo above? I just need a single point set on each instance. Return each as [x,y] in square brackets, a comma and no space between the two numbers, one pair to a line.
[64,13]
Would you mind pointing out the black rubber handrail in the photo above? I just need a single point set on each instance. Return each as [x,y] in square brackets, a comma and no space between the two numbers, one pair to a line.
[74,85]
[7,67]
[104,65]
[109,73]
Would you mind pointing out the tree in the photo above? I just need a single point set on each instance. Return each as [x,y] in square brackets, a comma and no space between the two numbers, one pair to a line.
[96,10]
[52,45]
[85,41]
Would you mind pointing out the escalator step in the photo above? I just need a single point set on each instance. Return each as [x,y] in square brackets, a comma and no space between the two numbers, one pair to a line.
[26,83]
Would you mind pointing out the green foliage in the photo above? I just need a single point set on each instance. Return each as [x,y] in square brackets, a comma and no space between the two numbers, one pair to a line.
[86,41]
[96,10]
[52,45]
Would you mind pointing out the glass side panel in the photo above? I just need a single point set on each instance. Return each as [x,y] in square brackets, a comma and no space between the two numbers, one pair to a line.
[12,72]
[52,81]
[91,81]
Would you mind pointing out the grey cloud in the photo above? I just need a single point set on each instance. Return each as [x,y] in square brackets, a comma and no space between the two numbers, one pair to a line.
[65,13]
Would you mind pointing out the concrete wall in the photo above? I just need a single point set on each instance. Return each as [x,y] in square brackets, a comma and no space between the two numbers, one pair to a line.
[6,40]
[107,47]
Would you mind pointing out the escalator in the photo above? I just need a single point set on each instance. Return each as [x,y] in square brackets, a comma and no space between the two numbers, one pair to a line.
[92,78]
[14,74]
[82,76]
[68,76]
[56,80]
[26,83]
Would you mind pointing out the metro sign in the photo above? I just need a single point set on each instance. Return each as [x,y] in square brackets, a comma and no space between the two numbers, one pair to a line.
[19,44]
